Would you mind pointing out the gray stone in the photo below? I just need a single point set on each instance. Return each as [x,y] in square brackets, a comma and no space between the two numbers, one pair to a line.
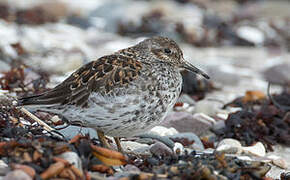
[189,137]
[131,168]
[185,122]
[185,98]
[17,175]
[207,107]
[3,168]
[275,172]
[160,149]
[283,152]
[231,146]
[224,75]
[71,131]
[219,125]
[163,131]
[251,34]
[278,74]
[130,146]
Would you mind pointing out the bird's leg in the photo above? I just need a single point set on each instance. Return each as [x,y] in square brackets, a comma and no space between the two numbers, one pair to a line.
[117,141]
[103,140]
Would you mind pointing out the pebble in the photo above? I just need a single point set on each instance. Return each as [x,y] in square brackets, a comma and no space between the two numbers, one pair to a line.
[160,149]
[278,74]
[188,137]
[55,119]
[17,175]
[185,122]
[258,149]
[207,107]
[278,161]
[72,158]
[251,34]
[3,168]
[131,168]
[178,148]
[130,146]
[163,131]
[71,131]
[185,98]
[230,146]
[218,126]
[163,139]
[224,75]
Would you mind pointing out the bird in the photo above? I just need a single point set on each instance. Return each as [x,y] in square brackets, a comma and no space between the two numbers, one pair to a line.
[123,94]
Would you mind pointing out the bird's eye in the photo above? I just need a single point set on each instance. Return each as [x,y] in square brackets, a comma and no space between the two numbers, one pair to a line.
[167,50]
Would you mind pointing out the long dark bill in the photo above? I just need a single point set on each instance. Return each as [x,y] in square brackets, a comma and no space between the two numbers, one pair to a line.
[194,69]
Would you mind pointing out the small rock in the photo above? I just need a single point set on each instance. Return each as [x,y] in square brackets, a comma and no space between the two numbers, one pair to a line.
[17,175]
[130,146]
[245,158]
[188,139]
[178,148]
[275,173]
[251,34]
[230,146]
[148,141]
[25,168]
[185,122]
[163,131]
[278,74]
[72,158]
[280,163]
[218,126]
[3,168]
[224,74]
[207,107]
[71,131]
[55,119]
[185,98]
[258,149]
[131,168]
[160,149]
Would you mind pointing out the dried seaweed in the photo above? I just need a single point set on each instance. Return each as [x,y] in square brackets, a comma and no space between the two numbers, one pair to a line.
[259,120]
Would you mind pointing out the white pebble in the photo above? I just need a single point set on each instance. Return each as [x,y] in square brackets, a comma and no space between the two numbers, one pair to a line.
[258,149]
[163,131]
[229,145]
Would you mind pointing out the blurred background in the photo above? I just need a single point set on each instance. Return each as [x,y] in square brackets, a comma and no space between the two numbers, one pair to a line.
[241,44]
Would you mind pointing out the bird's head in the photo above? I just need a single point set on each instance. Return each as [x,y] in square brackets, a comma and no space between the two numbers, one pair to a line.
[167,51]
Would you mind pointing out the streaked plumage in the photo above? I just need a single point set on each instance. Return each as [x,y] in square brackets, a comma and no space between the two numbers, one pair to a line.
[122,94]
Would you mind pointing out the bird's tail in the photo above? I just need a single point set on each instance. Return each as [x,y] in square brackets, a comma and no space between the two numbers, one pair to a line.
[29,100]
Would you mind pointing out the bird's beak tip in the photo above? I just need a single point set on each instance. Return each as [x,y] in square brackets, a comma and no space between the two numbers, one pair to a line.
[194,69]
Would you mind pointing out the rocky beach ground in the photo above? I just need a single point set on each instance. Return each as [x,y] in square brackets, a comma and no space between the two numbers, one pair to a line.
[234,126]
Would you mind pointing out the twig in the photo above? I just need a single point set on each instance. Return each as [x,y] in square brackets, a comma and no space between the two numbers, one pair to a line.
[40,122]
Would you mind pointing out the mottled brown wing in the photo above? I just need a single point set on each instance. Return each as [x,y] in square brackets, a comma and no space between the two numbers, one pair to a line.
[102,76]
